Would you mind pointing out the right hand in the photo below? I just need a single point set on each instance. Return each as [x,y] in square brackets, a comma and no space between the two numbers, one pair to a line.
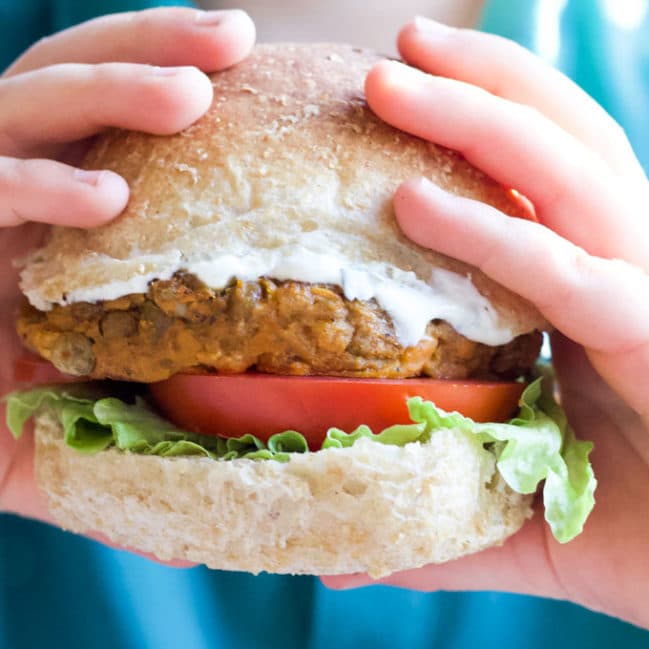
[53,98]
[584,265]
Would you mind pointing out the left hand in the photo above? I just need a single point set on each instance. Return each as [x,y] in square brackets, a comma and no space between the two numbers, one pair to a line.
[584,265]
[53,98]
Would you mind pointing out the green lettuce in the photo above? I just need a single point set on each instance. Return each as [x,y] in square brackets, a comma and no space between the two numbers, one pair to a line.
[536,446]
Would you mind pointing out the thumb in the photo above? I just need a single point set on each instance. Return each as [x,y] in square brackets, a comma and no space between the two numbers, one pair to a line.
[521,565]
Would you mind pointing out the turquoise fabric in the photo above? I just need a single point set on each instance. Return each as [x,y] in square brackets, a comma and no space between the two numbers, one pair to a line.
[604,47]
[22,22]
[59,590]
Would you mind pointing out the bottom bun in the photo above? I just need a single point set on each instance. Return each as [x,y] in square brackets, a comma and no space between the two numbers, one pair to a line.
[370,508]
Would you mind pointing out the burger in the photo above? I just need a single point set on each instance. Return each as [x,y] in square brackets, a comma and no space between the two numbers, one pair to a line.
[274,377]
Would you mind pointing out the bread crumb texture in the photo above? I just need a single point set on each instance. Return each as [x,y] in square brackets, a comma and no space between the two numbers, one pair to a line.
[370,508]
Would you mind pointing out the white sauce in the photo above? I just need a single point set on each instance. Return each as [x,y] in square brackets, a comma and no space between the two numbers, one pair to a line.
[410,302]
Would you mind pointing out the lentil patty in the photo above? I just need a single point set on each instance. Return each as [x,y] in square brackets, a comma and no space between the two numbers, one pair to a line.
[181,325]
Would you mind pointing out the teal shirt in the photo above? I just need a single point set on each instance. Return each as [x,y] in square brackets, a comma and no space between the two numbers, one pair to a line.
[60,590]
[604,47]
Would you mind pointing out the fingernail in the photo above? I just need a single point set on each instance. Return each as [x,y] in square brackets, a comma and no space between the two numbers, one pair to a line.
[88,177]
[157,71]
[431,27]
[214,18]
[423,185]
[401,76]
[418,187]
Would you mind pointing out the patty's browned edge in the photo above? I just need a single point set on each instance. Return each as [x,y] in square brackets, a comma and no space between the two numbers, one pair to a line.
[181,325]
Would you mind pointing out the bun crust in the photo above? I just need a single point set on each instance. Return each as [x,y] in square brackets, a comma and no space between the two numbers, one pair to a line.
[288,156]
[371,508]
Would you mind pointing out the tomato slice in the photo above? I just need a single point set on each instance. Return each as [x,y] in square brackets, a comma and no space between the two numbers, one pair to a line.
[264,404]
[32,370]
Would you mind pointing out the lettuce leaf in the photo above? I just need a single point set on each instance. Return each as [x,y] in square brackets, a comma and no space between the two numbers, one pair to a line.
[536,446]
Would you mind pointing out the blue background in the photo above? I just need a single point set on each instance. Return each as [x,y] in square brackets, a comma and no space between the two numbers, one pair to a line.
[60,590]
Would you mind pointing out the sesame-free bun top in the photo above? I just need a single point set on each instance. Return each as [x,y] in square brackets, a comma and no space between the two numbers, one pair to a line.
[288,158]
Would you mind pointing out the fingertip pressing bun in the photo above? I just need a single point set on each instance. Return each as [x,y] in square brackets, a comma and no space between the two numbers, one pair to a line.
[369,508]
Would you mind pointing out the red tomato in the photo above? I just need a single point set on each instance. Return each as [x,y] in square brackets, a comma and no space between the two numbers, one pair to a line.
[32,370]
[264,404]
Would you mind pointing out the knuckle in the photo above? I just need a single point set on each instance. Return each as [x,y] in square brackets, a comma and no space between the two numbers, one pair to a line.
[498,51]
[580,263]
[106,73]
[11,179]
[529,114]
[489,257]
[12,121]
[35,49]
[574,270]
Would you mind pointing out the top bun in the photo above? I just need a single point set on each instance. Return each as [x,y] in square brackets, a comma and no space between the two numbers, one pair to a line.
[289,157]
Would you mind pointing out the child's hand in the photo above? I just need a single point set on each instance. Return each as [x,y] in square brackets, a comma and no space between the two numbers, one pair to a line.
[60,92]
[103,73]
[584,265]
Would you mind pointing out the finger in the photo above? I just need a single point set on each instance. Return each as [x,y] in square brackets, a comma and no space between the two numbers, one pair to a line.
[627,372]
[508,70]
[51,192]
[580,375]
[534,262]
[521,565]
[19,492]
[599,303]
[131,96]
[573,190]
[209,40]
